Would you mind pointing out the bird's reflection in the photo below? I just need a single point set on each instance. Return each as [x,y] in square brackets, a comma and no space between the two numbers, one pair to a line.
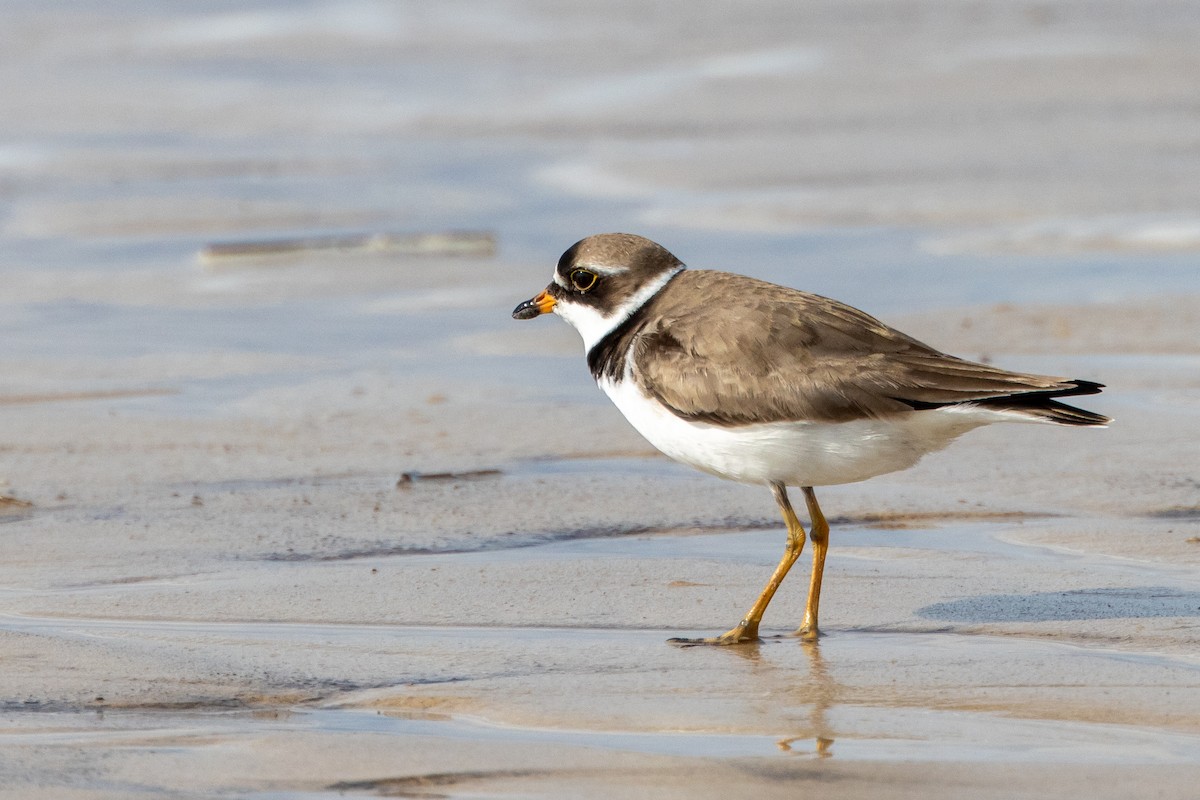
[819,693]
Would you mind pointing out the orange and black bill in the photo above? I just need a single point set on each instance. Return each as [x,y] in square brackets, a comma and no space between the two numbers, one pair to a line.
[542,304]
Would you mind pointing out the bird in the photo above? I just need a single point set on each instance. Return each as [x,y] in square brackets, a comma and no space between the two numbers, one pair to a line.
[764,384]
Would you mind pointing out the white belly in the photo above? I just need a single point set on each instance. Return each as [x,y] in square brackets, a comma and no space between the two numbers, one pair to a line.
[796,453]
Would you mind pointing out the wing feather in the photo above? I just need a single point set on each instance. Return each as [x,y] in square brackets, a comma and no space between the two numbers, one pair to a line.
[755,352]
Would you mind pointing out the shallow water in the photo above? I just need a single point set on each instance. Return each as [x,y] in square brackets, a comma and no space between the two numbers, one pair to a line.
[217,546]
[113,221]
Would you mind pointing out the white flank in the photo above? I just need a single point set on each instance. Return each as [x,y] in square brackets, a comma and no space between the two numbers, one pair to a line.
[594,326]
[797,453]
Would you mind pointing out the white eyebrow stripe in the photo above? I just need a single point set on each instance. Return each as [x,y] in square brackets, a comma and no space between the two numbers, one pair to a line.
[603,269]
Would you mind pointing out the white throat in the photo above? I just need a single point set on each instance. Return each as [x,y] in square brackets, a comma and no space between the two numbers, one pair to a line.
[594,326]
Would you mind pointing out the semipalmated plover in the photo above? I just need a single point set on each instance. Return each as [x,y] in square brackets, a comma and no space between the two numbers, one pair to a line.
[760,383]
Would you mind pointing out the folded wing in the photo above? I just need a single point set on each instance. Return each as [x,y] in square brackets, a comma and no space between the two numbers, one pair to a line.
[817,359]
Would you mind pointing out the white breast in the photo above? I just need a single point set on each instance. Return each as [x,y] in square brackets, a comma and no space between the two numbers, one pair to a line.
[795,453]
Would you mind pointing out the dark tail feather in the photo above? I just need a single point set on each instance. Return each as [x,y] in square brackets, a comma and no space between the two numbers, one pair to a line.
[1081,387]
[1041,405]
[1053,411]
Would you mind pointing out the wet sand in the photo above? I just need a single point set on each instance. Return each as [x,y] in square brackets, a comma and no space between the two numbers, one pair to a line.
[334,525]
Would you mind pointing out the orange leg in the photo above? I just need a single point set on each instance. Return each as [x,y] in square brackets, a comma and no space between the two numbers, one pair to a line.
[747,629]
[819,533]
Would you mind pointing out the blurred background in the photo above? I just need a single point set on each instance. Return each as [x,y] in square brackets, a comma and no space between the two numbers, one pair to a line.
[188,183]
[271,441]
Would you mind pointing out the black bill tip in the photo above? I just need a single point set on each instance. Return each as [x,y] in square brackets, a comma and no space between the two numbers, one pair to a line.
[527,310]
[535,306]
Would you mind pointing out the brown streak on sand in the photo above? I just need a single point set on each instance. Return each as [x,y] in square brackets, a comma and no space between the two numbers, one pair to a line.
[10,504]
[124,581]
[407,479]
[445,243]
[432,705]
[898,520]
[404,786]
[58,397]
[252,701]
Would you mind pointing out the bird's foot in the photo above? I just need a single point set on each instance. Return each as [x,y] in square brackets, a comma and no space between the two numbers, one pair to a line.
[808,633]
[743,633]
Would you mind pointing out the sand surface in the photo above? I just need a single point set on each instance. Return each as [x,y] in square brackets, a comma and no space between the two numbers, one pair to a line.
[333,525]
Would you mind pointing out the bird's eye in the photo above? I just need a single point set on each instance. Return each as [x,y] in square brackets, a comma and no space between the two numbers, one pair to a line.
[583,279]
